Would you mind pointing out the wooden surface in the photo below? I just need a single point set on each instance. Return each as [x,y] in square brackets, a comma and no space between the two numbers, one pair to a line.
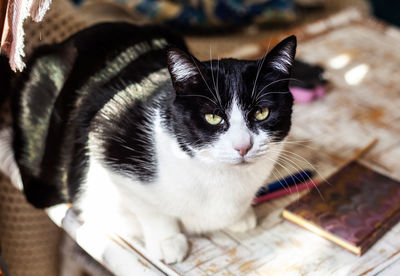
[362,104]
[325,133]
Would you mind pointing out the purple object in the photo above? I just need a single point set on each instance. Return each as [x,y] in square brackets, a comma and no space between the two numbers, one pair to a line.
[305,95]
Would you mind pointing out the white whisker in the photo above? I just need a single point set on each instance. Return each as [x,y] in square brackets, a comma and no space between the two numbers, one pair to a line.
[298,157]
[274,82]
[257,74]
[260,96]
[212,72]
[297,168]
[282,177]
[201,96]
[209,89]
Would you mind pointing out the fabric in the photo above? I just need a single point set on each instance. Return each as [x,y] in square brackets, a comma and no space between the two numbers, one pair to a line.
[61,21]
[29,240]
[3,268]
[12,38]
[189,15]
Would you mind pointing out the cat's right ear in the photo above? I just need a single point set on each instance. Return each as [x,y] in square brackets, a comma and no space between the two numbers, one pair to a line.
[184,69]
[281,57]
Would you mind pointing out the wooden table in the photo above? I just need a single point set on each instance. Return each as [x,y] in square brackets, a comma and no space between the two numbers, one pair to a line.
[362,60]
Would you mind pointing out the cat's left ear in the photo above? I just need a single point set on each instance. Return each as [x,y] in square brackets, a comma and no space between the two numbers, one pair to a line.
[281,57]
[183,67]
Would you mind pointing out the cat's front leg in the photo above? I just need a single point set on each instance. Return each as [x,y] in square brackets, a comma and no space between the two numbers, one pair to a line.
[246,222]
[163,237]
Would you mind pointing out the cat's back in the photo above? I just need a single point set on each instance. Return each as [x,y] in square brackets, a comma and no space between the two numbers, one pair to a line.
[64,86]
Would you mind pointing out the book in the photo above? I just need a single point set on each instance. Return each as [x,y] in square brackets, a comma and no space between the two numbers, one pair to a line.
[353,208]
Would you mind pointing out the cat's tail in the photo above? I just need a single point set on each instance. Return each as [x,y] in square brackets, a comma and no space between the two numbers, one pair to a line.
[7,161]
[39,194]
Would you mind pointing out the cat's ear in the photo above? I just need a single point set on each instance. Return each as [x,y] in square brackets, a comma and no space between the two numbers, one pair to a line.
[183,67]
[281,57]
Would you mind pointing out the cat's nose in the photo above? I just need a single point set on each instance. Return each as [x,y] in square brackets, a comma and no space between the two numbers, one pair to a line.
[243,149]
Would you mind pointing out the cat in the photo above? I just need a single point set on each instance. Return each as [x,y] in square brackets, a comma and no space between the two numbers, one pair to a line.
[124,123]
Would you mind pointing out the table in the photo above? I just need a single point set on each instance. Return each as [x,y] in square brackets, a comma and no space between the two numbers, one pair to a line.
[362,59]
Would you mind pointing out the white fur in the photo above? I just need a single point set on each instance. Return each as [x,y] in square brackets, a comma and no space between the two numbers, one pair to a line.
[237,135]
[283,62]
[182,68]
[247,222]
[211,191]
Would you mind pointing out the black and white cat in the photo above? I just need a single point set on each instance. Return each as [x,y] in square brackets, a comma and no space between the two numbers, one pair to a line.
[133,131]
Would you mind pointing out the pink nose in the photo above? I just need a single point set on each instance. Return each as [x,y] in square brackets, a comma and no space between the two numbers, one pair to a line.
[243,149]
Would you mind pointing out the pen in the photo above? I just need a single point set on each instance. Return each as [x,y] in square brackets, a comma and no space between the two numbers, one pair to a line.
[283,192]
[286,182]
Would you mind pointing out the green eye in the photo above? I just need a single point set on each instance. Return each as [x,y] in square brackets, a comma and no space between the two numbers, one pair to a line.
[213,119]
[261,114]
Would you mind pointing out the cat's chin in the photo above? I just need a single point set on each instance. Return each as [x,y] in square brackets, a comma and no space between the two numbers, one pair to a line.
[242,162]
[228,163]
[231,162]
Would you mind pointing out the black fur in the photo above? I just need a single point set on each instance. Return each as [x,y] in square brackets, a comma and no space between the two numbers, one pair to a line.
[60,161]
[5,78]
[55,114]
[221,81]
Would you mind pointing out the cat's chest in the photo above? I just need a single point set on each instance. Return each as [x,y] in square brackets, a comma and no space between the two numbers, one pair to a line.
[205,199]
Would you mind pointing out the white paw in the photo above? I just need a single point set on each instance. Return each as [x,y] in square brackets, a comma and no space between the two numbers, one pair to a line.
[171,250]
[247,222]
[175,248]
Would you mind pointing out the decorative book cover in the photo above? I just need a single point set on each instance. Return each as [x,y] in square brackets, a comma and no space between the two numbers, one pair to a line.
[357,207]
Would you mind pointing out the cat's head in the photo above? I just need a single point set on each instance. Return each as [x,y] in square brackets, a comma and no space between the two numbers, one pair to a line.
[230,111]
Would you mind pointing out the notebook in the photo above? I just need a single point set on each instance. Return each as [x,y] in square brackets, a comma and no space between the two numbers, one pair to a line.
[353,208]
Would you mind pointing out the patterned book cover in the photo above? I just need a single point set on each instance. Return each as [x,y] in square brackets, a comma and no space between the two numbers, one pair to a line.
[353,209]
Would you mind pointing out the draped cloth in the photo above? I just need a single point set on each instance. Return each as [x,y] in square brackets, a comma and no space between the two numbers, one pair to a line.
[12,16]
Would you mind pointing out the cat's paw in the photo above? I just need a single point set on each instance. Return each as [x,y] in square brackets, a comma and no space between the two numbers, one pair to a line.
[175,248]
[247,222]
[171,250]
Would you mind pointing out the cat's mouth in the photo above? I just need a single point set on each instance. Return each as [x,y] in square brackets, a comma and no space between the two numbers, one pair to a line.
[223,159]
